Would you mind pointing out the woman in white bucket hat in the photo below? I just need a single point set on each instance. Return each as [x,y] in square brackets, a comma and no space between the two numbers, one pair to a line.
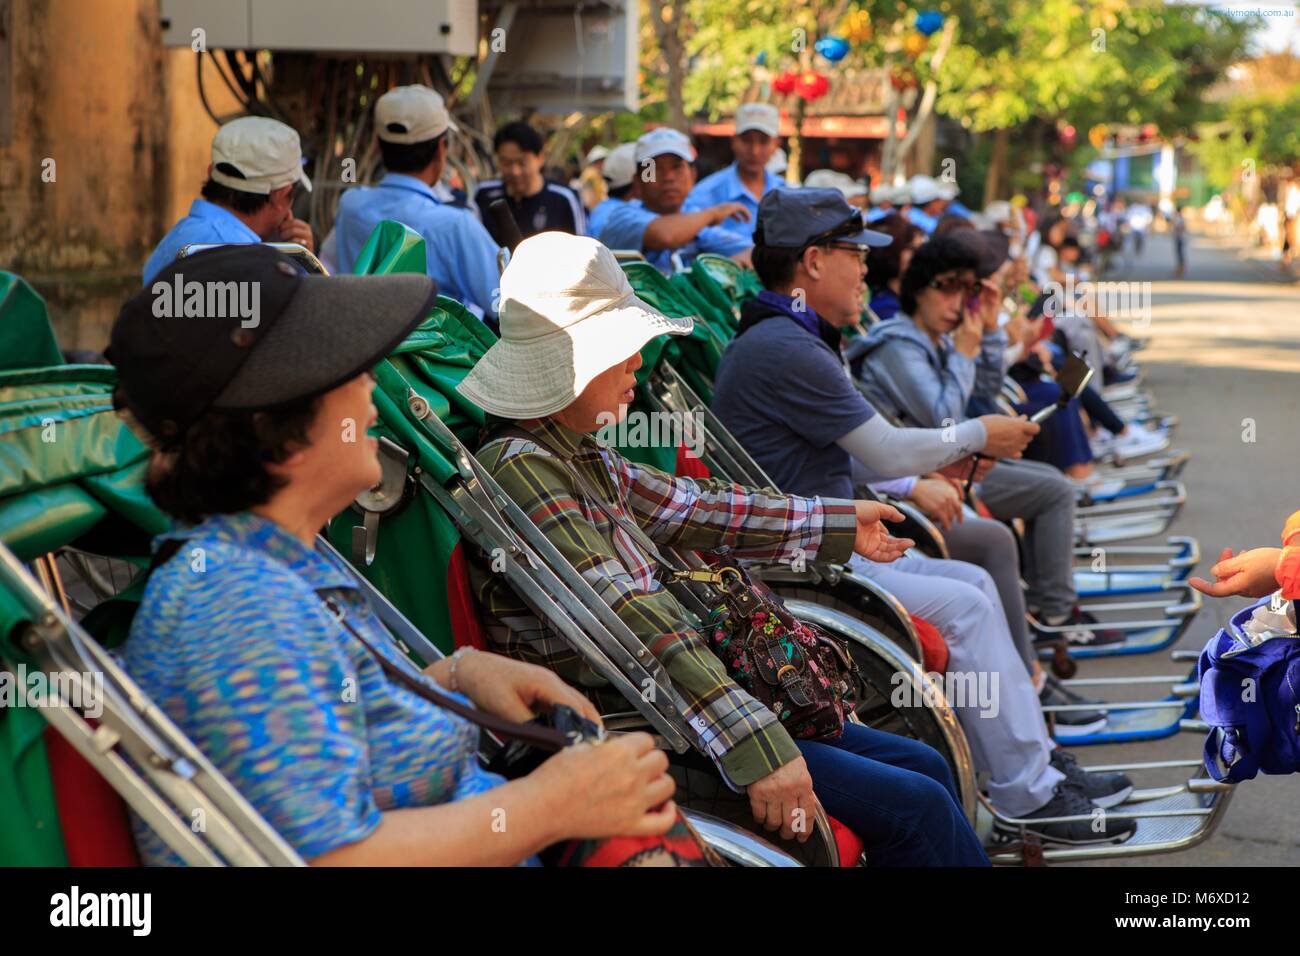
[572,330]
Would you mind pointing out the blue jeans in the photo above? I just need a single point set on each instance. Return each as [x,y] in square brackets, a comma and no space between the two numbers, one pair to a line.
[896,794]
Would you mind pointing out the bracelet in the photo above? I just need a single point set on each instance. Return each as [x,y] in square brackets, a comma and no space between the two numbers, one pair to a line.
[451,672]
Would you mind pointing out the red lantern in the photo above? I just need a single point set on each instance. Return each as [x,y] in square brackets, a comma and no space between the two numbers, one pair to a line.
[901,78]
[812,86]
[784,82]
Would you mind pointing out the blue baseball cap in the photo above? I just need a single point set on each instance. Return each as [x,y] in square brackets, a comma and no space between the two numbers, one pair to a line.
[797,218]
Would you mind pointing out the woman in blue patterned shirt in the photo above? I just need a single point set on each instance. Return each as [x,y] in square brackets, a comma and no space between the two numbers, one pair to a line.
[258,424]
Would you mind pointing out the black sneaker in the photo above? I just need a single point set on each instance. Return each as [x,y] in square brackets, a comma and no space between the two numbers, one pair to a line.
[1069,800]
[1080,631]
[1104,789]
[1069,723]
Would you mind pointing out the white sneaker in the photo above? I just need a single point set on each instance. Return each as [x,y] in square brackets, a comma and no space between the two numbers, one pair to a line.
[1139,440]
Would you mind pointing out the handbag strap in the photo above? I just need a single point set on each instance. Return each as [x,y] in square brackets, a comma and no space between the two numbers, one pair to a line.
[585,486]
[547,738]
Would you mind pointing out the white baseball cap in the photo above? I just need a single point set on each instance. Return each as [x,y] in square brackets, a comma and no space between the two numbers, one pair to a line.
[763,117]
[266,153]
[998,212]
[411,114]
[661,141]
[568,313]
[779,162]
[595,155]
[830,179]
[620,166]
[925,189]
[882,193]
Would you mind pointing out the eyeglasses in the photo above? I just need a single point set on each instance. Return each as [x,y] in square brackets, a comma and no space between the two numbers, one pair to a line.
[861,251]
[952,284]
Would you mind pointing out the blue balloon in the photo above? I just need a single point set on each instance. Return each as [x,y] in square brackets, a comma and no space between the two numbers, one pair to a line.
[929,22]
[761,59]
[832,48]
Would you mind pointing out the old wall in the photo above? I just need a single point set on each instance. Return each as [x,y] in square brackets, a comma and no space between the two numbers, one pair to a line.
[107,144]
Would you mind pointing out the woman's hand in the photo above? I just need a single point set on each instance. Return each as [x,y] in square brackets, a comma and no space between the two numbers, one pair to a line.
[1248,574]
[990,304]
[511,689]
[616,788]
[966,337]
[939,499]
[874,540]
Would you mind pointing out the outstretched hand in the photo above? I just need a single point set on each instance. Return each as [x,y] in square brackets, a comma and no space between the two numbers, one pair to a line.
[1247,574]
[874,541]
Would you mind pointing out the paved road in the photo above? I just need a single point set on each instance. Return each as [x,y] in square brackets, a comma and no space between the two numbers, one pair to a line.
[1225,349]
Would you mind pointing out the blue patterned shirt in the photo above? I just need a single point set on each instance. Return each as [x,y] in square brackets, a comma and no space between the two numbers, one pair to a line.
[237,648]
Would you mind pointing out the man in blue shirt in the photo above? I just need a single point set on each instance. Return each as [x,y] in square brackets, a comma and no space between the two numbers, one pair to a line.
[619,171]
[248,197]
[930,200]
[657,225]
[747,180]
[411,123]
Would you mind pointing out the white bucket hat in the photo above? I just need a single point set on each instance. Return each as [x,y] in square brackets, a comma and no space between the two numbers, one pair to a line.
[567,314]
[266,153]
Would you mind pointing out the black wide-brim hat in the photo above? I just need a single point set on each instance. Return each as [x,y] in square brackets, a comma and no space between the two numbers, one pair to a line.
[242,328]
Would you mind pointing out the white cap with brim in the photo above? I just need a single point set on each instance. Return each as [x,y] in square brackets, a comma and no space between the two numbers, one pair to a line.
[265,153]
[830,179]
[926,189]
[779,162]
[596,154]
[568,314]
[763,117]
[411,114]
[620,166]
[662,141]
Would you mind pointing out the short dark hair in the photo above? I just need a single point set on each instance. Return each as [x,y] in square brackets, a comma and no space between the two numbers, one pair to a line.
[236,199]
[936,257]
[951,222]
[410,157]
[775,267]
[884,262]
[522,135]
[218,464]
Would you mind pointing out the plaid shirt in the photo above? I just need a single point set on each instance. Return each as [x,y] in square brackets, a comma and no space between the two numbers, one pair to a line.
[742,736]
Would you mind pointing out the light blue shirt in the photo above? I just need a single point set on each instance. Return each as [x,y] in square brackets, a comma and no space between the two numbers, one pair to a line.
[725,186]
[206,222]
[460,255]
[596,221]
[625,229]
[920,217]
[244,655]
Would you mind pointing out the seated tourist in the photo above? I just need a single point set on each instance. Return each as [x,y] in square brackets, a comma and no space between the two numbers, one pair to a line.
[784,391]
[263,650]
[924,366]
[618,171]
[748,178]
[656,224]
[572,330]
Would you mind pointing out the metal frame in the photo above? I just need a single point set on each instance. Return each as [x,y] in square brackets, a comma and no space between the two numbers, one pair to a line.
[160,774]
